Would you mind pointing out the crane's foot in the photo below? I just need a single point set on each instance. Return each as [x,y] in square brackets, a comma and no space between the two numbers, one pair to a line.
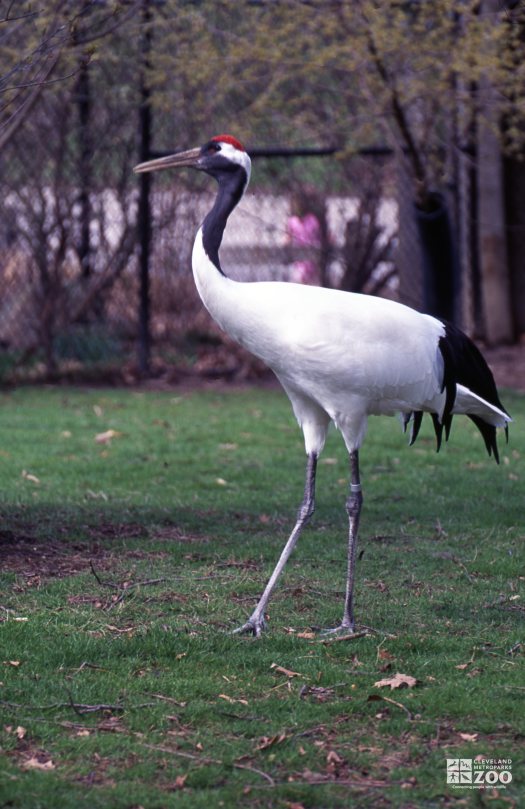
[343,630]
[255,625]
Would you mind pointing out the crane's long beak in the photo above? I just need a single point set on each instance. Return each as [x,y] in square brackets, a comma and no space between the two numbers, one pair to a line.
[172,161]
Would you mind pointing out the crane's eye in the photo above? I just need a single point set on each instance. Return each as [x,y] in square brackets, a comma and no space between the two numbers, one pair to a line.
[213,147]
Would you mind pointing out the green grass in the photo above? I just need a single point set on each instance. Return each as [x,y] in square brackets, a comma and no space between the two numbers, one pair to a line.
[125,563]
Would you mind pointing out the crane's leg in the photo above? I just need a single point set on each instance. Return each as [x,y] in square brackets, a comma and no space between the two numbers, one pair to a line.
[353,508]
[256,622]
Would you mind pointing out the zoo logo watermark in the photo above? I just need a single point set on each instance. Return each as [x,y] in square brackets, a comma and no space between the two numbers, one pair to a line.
[468,773]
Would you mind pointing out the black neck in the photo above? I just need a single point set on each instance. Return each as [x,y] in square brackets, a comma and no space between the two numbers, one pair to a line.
[231,187]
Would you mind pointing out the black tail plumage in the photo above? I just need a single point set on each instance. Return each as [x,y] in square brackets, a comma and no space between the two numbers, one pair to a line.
[463,365]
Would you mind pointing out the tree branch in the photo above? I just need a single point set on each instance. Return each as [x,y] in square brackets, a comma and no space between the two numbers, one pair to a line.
[18,117]
[401,120]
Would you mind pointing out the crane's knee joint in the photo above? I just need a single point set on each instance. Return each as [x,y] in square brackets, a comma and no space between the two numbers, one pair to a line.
[354,500]
[305,511]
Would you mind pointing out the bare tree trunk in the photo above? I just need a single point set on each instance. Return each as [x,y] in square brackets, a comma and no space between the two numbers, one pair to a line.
[514,170]
[495,281]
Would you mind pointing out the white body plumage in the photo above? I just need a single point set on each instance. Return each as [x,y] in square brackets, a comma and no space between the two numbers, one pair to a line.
[340,356]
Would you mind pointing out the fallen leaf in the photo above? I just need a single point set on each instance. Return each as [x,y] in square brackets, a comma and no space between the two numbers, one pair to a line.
[14,663]
[105,437]
[180,782]
[20,732]
[463,666]
[232,699]
[220,482]
[269,741]
[334,762]
[30,477]
[468,737]
[35,764]
[397,681]
[287,672]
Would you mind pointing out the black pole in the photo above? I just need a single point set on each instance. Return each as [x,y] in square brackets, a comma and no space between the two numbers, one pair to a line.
[441,279]
[144,211]
[83,93]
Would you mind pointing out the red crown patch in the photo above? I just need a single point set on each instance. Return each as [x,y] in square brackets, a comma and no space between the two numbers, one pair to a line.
[231,140]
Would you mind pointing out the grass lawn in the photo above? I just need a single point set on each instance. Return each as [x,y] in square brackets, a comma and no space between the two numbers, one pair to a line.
[137,528]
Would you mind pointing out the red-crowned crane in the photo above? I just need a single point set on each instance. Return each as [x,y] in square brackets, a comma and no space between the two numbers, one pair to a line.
[339,356]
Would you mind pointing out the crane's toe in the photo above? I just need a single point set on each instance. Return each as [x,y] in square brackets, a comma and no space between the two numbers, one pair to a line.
[343,630]
[253,626]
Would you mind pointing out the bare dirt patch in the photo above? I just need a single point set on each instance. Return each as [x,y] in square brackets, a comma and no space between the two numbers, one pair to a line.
[34,557]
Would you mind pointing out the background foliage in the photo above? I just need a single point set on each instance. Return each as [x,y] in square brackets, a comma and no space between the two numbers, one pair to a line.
[431,84]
